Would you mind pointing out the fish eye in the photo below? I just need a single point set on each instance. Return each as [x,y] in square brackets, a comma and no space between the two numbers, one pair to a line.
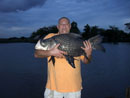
[43,43]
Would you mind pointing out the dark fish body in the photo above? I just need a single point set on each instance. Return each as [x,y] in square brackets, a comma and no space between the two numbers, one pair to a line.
[71,43]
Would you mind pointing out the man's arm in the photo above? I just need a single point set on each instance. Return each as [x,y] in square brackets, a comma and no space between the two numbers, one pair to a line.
[41,53]
[85,60]
[88,51]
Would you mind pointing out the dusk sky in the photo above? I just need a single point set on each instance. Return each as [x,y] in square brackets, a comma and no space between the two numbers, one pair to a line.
[22,17]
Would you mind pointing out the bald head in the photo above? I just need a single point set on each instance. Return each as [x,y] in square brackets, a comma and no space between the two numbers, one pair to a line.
[64,25]
[64,18]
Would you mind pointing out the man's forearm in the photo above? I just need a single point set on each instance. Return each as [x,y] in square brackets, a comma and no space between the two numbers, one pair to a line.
[86,61]
[42,53]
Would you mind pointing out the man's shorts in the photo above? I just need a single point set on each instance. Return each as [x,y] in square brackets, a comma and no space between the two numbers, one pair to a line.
[54,94]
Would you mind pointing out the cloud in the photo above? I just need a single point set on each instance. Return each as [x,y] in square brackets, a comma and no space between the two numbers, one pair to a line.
[93,12]
[19,5]
[14,31]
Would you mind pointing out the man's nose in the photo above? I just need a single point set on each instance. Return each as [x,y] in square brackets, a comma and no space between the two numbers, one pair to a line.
[64,26]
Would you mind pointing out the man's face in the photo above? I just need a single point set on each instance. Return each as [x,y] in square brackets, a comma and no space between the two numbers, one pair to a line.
[64,26]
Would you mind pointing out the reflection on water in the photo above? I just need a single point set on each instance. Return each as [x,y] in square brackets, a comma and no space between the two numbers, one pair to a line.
[23,76]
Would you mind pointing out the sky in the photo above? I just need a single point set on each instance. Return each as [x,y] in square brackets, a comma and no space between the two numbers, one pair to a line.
[22,17]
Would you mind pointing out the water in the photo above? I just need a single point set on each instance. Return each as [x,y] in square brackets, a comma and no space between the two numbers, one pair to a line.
[23,76]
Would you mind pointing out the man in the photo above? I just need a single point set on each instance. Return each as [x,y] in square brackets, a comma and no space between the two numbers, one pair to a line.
[63,80]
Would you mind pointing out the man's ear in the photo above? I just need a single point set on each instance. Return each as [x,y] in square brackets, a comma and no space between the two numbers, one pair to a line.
[57,27]
[70,26]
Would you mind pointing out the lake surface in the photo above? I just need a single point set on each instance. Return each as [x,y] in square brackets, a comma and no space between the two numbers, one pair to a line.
[23,76]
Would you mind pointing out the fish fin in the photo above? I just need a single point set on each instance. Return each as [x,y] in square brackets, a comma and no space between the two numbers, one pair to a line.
[52,59]
[96,42]
[70,60]
[75,35]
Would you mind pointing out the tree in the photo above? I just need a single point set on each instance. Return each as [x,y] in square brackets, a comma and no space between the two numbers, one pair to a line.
[74,28]
[42,32]
[87,31]
[87,28]
[94,30]
[127,25]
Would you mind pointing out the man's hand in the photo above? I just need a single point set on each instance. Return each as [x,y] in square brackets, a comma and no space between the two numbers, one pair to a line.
[88,48]
[56,52]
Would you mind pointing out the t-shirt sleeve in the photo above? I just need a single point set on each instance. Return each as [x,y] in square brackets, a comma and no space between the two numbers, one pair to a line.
[82,57]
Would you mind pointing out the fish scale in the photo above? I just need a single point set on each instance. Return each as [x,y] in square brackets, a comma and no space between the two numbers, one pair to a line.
[69,44]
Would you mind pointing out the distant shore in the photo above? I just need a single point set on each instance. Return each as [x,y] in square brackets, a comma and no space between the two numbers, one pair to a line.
[32,40]
[17,40]
[110,35]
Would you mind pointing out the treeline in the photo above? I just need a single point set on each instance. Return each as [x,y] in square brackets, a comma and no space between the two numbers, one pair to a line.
[17,40]
[112,34]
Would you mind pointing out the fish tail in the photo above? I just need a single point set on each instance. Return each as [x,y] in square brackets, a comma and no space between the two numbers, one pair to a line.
[100,47]
[96,43]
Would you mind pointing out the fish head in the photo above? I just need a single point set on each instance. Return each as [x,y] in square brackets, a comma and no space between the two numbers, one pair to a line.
[47,44]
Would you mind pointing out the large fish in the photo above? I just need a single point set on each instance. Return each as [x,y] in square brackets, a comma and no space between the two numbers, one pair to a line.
[71,43]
